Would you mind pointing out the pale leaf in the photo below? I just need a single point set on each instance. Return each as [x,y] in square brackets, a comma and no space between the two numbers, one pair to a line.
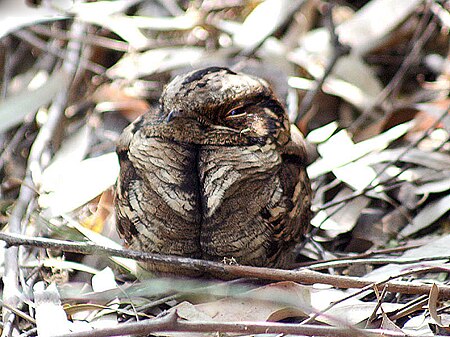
[373,22]
[99,239]
[434,187]
[428,215]
[323,133]
[14,108]
[101,8]
[339,151]
[16,15]
[74,187]
[388,324]
[51,318]
[263,21]
[272,302]
[344,219]
[433,304]
[135,65]
[104,280]
[356,175]
[72,151]
[434,248]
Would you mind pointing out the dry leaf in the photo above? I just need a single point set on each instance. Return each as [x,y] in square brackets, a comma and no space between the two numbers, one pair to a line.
[105,208]
[273,302]
[14,108]
[51,318]
[428,215]
[79,184]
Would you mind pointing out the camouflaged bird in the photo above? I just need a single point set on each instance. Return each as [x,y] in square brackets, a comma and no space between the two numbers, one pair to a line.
[215,173]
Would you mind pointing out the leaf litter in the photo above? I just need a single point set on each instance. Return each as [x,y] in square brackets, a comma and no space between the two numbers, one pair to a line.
[378,142]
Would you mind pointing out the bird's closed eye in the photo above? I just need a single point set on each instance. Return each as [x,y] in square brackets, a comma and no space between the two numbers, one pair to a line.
[236,113]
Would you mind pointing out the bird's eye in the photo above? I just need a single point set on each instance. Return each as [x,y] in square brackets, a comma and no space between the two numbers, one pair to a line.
[235,113]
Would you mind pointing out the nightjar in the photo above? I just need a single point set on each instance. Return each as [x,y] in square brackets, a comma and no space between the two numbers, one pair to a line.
[216,172]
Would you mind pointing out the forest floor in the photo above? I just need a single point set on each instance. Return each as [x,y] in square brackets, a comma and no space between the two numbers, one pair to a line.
[366,82]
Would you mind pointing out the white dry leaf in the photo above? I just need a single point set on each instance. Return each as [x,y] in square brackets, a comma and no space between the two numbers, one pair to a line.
[435,160]
[79,184]
[101,240]
[187,311]
[339,150]
[100,8]
[104,280]
[334,86]
[427,216]
[436,138]
[14,108]
[16,15]
[433,304]
[345,218]
[435,248]
[349,92]
[339,142]
[423,175]
[323,133]
[352,79]
[61,264]
[437,186]
[313,53]
[123,27]
[354,313]
[129,27]
[272,302]
[136,65]
[108,14]
[418,325]
[72,151]
[2,257]
[388,325]
[263,21]
[370,25]
[356,175]
[301,83]
[182,22]
[51,319]
[351,311]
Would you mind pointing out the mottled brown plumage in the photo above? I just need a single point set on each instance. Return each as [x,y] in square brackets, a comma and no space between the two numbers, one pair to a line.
[215,173]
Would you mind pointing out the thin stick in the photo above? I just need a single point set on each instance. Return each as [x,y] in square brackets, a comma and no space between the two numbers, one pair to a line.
[372,186]
[27,190]
[399,77]
[171,323]
[374,261]
[339,50]
[223,270]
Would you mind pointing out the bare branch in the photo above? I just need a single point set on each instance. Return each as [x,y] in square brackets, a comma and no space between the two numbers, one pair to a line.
[27,190]
[223,270]
[171,323]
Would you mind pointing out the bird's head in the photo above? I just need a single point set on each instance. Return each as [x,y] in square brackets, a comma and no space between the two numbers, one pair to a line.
[230,108]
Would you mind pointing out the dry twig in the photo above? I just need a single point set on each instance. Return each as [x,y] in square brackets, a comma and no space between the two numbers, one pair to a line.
[171,323]
[27,191]
[223,270]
